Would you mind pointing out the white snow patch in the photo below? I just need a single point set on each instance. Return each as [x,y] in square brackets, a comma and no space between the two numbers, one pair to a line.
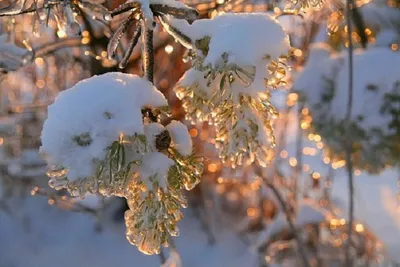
[181,139]
[151,130]
[246,37]
[154,168]
[98,109]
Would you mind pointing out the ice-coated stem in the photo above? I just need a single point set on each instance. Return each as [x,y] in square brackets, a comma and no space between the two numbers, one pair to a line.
[131,46]
[116,38]
[176,33]
[148,52]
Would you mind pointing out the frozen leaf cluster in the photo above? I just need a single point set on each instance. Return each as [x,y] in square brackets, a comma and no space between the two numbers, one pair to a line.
[101,137]
[237,60]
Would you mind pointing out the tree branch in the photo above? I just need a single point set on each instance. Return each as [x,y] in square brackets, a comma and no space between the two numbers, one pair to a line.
[348,141]
[286,210]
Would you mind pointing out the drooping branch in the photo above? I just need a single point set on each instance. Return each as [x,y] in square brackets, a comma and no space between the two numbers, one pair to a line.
[176,33]
[348,135]
[59,44]
[116,38]
[188,14]
[131,46]
[287,212]
[13,9]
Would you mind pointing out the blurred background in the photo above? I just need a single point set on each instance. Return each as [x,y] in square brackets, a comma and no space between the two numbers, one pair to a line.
[234,219]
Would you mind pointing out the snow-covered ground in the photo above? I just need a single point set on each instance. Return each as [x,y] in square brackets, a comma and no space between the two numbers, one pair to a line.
[375,206]
[40,235]
[49,236]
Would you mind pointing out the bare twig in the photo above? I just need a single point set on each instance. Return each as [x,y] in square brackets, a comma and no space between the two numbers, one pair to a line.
[59,44]
[299,156]
[348,142]
[286,210]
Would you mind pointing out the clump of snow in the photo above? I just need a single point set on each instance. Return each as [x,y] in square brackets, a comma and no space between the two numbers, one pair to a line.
[151,131]
[148,13]
[240,58]
[376,72]
[154,168]
[308,213]
[86,119]
[246,37]
[321,65]
[180,137]
[11,56]
[325,80]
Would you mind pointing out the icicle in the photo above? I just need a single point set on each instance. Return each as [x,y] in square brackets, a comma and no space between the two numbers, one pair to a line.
[174,32]
[131,46]
[73,26]
[116,38]
[188,13]
[148,53]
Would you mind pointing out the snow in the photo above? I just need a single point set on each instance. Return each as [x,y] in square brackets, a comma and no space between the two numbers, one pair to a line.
[308,213]
[174,260]
[324,81]
[95,117]
[154,168]
[250,43]
[50,237]
[321,64]
[10,48]
[181,139]
[11,56]
[377,67]
[238,65]
[151,130]
[148,14]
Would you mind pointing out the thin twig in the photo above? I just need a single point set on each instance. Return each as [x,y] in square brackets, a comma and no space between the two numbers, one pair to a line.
[286,210]
[148,52]
[299,156]
[348,142]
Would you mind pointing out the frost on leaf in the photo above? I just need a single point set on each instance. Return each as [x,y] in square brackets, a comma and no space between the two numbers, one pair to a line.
[107,144]
[230,82]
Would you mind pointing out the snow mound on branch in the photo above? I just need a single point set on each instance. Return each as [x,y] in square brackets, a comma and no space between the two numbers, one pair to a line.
[247,38]
[151,131]
[308,213]
[11,56]
[148,13]
[321,65]
[180,137]
[154,168]
[376,72]
[86,119]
